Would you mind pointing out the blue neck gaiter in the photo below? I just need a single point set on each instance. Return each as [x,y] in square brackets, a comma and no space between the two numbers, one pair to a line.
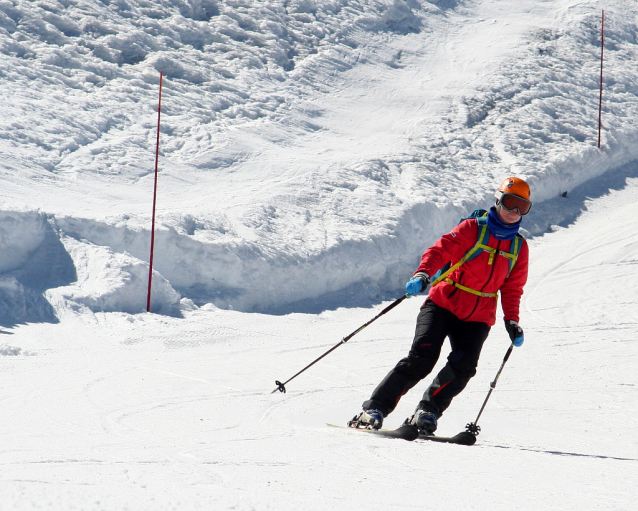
[500,230]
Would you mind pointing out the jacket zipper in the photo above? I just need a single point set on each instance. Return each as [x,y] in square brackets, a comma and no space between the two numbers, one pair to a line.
[456,288]
[498,246]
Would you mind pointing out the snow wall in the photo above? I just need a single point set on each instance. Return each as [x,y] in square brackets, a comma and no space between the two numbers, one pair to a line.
[536,119]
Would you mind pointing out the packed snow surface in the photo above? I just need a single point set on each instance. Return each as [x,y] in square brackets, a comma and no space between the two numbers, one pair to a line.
[309,152]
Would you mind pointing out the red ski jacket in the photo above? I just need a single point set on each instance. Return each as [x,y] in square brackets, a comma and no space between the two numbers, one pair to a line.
[476,274]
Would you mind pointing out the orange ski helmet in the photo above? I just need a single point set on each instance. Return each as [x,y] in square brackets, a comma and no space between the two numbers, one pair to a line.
[513,194]
[515,186]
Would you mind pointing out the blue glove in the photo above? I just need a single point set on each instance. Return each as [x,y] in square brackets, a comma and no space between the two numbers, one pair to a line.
[418,283]
[515,331]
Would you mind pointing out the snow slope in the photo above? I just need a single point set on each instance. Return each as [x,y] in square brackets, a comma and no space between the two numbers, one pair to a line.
[118,411]
[310,151]
[320,143]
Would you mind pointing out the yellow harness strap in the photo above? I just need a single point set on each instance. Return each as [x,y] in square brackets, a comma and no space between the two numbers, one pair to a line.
[468,256]
[483,236]
[511,255]
[470,290]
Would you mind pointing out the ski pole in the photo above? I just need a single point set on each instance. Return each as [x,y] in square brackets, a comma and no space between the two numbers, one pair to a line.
[473,427]
[281,387]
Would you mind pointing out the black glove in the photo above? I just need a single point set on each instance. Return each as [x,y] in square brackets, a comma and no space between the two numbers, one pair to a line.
[515,331]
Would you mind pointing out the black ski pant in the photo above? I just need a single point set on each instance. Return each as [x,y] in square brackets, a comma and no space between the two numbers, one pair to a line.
[433,325]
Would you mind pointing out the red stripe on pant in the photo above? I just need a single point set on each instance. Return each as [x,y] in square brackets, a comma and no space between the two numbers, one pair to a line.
[441,388]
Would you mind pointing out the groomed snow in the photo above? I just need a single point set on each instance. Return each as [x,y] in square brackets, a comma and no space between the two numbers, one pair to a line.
[310,151]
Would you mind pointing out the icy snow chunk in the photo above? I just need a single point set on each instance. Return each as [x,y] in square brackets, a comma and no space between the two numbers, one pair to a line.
[9,351]
[114,282]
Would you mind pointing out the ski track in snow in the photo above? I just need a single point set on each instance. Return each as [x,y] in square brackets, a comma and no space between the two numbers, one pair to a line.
[310,152]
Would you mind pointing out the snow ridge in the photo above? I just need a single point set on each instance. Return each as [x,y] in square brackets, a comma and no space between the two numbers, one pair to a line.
[265,204]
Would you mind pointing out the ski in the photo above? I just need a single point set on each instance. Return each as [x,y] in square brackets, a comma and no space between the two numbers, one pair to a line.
[405,432]
[410,433]
[463,438]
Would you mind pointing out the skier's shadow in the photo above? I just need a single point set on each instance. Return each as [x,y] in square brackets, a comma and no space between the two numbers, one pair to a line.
[562,453]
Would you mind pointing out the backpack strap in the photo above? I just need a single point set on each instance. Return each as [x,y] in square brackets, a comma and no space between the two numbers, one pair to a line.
[512,255]
[470,290]
[480,245]
[483,240]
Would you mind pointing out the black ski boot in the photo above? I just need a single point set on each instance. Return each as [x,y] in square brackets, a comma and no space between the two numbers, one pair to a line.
[367,419]
[424,421]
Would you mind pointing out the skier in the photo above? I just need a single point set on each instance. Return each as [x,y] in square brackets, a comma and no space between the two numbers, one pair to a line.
[460,306]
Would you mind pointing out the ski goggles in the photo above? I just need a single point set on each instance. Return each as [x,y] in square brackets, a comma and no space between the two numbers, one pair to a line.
[511,202]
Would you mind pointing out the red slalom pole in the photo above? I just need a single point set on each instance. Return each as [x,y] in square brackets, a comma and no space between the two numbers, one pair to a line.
[600,103]
[150,268]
